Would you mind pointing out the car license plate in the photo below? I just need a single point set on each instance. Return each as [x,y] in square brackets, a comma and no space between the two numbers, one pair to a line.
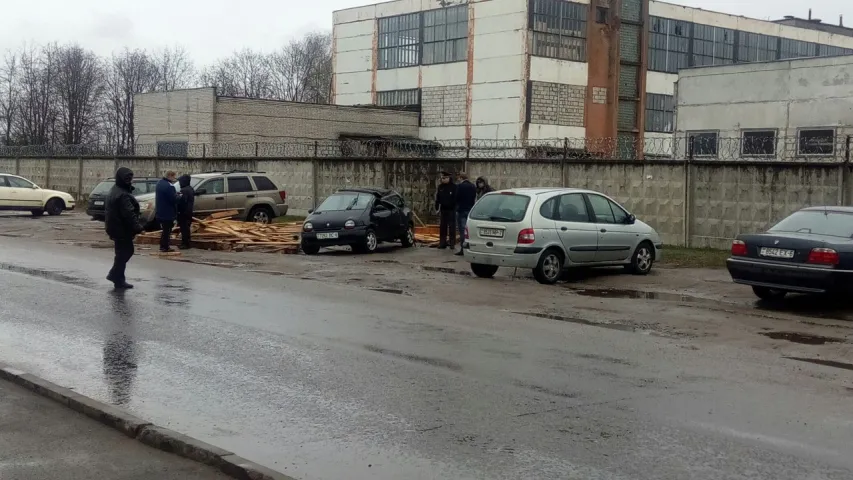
[776,252]
[99,203]
[491,232]
[327,236]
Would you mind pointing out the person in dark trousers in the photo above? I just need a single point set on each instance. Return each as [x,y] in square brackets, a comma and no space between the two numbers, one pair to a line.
[122,223]
[185,210]
[445,204]
[483,187]
[166,208]
[466,196]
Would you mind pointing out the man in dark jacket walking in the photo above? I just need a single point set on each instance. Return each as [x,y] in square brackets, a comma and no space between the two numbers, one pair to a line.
[445,203]
[185,210]
[466,197]
[122,224]
[166,208]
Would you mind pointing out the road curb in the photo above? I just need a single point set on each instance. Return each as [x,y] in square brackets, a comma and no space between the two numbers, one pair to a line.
[145,432]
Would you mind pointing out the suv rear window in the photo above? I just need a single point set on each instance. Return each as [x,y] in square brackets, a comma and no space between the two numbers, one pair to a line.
[264,183]
[498,207]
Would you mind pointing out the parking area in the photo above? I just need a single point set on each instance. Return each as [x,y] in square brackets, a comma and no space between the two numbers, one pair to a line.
[687,297]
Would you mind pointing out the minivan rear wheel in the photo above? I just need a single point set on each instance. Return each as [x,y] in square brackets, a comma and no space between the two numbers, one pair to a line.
[549,268]
[484,271]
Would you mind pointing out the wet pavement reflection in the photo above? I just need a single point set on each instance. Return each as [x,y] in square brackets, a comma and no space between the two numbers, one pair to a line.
[120,350]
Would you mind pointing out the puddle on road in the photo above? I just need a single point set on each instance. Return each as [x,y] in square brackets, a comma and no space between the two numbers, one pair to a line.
[803,338]
[826,363]
[581,321]
[638,294]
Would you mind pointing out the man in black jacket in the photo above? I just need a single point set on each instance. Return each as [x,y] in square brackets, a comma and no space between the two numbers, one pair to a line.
[122,224]
[445,203]
[186,203]
[466,197]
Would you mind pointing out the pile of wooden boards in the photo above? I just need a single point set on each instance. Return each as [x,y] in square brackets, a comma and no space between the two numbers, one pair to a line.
[220,232]
[427,235]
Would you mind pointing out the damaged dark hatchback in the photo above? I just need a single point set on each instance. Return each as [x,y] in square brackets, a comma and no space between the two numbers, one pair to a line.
[361,218]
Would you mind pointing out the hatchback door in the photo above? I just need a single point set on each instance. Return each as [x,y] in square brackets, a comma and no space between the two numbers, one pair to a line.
[213,198]
[240,192]
[495,222]
[577,233]
[616,238]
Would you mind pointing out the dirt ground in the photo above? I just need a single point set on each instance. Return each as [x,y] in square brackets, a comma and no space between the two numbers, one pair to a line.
[699,306]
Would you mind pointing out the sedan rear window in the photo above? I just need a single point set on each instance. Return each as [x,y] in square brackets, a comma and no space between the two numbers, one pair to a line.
[817,222]
[498,207]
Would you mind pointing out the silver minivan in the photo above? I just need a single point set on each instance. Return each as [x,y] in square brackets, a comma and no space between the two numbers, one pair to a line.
[551,229]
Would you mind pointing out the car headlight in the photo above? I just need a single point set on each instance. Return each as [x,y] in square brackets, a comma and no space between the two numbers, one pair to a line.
[308,226]
[349,224]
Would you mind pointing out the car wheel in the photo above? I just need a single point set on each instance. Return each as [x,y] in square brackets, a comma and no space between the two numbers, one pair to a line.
[484,271]
[54,207]
[370,242]
[549,268]
[310,249]
[409,238]
[765,293]
[260,214]
[642,260]
[37,213]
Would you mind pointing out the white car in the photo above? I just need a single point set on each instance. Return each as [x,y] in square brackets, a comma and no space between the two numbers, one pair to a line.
[21,195]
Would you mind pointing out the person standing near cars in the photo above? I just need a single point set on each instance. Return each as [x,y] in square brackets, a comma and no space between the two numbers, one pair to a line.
[185,210]
[445,204]
[166,208]
[466,197]
[483,187]
[121,219]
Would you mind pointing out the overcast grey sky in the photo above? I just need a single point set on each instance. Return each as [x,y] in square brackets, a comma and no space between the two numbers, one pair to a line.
[214,28]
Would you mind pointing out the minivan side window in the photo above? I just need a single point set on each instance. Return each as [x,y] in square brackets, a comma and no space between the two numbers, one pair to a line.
[239,185]
[620,215]
[601,209]
[548,208]
[572,208]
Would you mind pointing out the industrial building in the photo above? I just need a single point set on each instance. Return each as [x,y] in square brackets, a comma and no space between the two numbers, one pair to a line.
[588,70]
[780,110]
[180,120]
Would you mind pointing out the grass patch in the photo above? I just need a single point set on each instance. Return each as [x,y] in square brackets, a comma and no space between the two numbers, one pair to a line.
[682,257]
[289,219]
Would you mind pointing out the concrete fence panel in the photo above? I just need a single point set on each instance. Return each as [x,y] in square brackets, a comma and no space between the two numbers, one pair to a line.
[95,171]
[417,180]
[296,177]
[333,174]
[7,165]
[65,176]
[729,199]
[34,169]
[503,174]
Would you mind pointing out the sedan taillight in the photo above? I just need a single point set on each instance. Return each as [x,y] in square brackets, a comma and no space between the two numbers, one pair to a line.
[823,256]
[739,248]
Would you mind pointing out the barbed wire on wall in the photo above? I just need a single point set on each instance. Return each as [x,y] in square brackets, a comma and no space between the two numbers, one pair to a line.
[676,147]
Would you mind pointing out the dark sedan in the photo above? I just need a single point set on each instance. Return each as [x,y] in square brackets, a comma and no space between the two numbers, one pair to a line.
[360,218]
[95,206]
[810,251]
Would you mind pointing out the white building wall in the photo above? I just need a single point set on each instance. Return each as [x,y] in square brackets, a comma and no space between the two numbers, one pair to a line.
[786,96]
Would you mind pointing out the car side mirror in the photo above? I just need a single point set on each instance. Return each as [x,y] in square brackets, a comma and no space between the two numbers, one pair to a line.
[201,191]
[631,219]
[310,211]
[35,187]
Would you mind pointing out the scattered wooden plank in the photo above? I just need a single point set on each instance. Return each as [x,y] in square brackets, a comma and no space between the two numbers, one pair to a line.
[225,214]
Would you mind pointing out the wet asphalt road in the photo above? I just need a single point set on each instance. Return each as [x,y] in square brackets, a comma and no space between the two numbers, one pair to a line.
[327,382]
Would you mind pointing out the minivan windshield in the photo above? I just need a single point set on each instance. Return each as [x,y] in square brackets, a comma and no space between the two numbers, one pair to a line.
[500,207]
[102,187]
[817,222]
[345,201]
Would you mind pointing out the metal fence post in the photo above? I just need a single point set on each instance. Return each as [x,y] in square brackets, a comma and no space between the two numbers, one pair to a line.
[564,169]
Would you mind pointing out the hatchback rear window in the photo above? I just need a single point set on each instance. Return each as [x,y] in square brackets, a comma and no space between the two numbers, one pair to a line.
[264,183]
[817,222]
[498,207]
[103,187]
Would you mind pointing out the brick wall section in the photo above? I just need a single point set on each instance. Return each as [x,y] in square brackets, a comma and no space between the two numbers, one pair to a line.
[599,95]
[557,104]
[179,115]
[444,106]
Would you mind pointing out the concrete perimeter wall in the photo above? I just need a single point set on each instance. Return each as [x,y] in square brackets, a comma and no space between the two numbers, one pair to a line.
[704,204]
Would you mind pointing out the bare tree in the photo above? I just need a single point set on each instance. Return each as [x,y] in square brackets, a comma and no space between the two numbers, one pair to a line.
[175,69]
[9,95]
[36,117]
[245,74]
[302,70]
[78,84]
[127,74]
